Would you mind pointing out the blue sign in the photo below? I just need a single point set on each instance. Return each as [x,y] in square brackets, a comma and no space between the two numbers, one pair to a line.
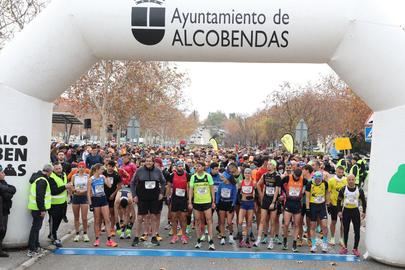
[368,134]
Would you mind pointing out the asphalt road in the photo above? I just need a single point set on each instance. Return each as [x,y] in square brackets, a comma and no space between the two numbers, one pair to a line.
[95,261]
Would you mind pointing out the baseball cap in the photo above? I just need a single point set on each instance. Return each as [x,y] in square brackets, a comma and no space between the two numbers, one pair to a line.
[317,175]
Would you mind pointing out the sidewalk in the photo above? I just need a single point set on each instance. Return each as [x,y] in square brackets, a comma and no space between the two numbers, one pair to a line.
[19,256]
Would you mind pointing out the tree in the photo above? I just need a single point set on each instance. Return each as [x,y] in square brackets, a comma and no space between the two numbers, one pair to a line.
[216,119]
[15,14]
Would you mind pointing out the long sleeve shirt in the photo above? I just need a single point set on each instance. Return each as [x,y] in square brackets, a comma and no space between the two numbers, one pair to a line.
[226,193]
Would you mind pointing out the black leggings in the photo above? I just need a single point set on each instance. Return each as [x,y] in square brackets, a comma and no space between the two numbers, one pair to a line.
[351,215]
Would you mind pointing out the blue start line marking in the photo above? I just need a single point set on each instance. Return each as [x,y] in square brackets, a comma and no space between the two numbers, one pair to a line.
[206,254]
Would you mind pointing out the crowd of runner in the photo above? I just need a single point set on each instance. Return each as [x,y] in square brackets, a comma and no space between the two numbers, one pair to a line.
[209,194]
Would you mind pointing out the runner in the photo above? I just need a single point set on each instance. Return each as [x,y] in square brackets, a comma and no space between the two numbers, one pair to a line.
[147,190]
[247,205]
[80,204]
[99,203]
[335,184]
[124,207]
[201,199]
[293,188]
[350,197]
[317,196]
[178,193]
[268,187]
[225,201]
[110,191]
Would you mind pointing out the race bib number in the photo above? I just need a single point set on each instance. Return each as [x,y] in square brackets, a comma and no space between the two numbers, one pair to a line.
[247,189]
[111,179]
[294,192]
[270,191]
[180,192]
[150,184]
[99,189]
[352,200]
[225,193]
[320,199]
[202,190]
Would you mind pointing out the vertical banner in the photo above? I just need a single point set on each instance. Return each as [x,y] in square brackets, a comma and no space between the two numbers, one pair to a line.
[214,144]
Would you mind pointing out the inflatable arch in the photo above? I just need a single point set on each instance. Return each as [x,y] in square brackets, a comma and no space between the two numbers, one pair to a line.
[363,41]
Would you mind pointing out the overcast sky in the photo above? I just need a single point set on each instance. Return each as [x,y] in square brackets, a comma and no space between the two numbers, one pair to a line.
[240,87]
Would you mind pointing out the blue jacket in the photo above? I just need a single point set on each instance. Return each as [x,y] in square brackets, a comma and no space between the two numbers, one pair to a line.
[232,198]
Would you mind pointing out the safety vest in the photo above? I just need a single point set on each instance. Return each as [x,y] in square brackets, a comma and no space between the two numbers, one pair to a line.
[360,162]
[32,201]
[318,193]
[342,162]
[357,174]
[351,199]
[60,198]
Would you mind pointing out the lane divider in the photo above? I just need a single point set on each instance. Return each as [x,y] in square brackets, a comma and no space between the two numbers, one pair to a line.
[206,254]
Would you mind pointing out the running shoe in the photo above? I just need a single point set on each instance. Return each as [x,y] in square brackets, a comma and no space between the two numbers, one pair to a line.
[211,246]
[198,245]
[155,241]
[242,243]
[256,244]
[57,243]
[40,250]
[231,241]
[32,253]
[332,241]
[202,238]
[128,233]
[144,237]
[279,240]
[271,245]
[264,240]
[77,238]
[184,239]
[285,246]
[86,238]
[313,249]
[168,227]
[135,242]
[247,244]
[175,238]
[343,251]
[96,243]
[356,252]
[111,243]
[158,237]
[294,247]
[223,241]
[119,232]
[324,247]
[188,229]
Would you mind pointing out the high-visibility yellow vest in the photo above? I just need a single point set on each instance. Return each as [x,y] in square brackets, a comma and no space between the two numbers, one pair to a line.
[32,201]
[60,198]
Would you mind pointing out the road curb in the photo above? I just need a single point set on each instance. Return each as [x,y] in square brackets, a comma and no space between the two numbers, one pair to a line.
[28,263]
